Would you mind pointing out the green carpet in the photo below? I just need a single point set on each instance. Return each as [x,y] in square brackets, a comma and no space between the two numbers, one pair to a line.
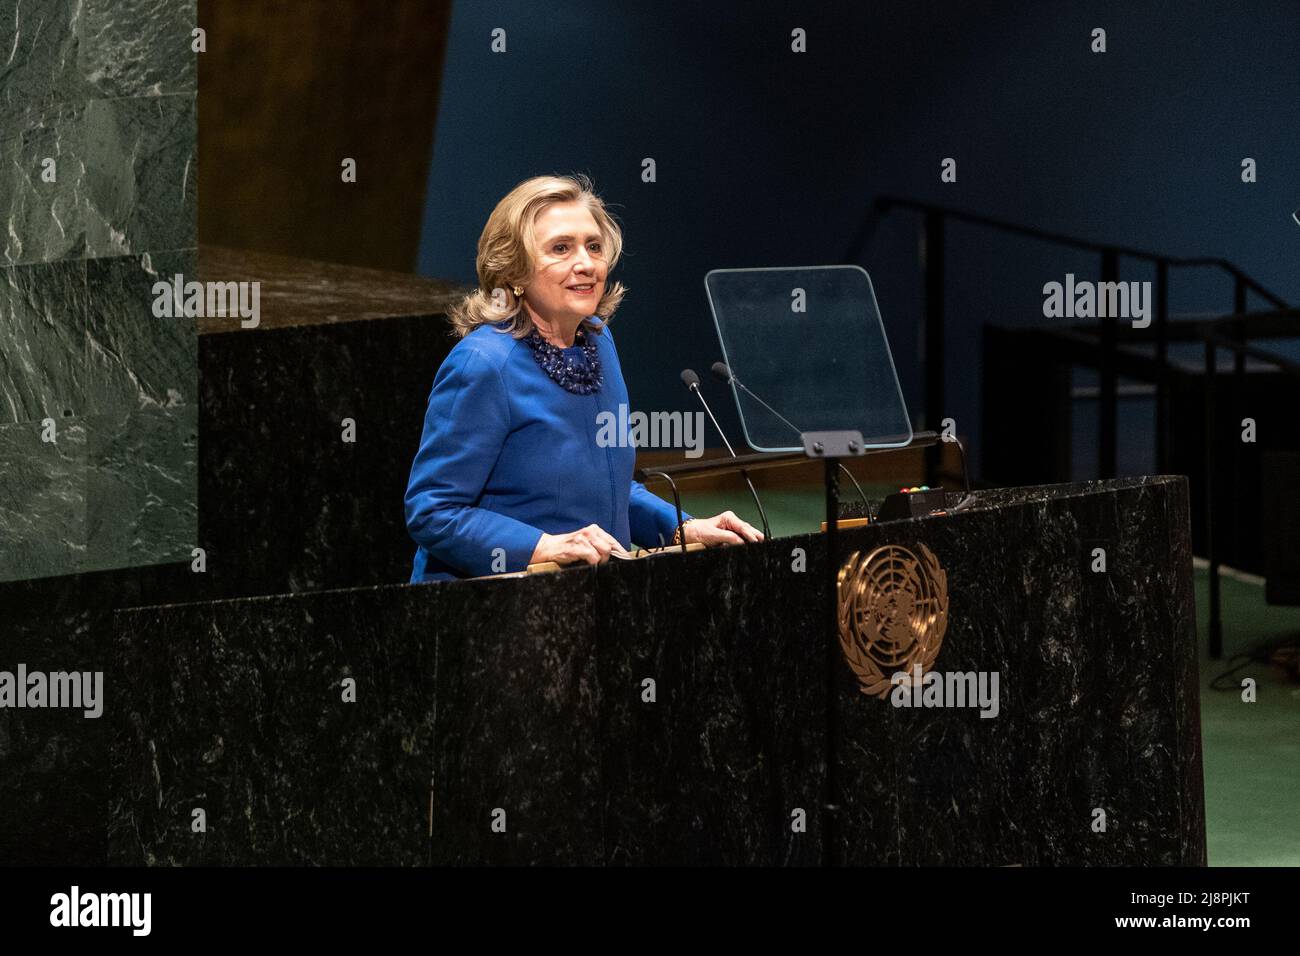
[1252,751]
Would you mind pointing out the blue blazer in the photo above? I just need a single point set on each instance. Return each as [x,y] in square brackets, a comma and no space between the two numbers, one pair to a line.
[508,454]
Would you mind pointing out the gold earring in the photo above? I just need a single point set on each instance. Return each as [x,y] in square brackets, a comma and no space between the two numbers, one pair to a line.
[519,290]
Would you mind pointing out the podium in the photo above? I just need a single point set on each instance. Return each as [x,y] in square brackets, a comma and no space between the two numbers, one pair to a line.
[687,709]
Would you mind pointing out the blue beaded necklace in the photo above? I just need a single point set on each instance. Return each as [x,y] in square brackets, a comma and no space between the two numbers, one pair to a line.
[580,375]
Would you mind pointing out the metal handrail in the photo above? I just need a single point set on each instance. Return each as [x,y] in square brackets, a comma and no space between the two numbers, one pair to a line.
[1103,340]
[884,203]
[1250,351]
[1270,324]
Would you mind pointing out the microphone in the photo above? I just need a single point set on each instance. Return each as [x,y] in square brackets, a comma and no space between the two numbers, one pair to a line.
[723,373]
[692,382]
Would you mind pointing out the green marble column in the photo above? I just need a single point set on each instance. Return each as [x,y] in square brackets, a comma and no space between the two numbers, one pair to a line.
[98,415]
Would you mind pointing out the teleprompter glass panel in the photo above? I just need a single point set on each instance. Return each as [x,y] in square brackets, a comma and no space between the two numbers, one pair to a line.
[807,352]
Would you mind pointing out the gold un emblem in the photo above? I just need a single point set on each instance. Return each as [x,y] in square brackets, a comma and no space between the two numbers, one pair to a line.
[893,611]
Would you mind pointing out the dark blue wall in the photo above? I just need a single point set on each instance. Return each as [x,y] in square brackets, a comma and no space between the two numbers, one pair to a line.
[766,157]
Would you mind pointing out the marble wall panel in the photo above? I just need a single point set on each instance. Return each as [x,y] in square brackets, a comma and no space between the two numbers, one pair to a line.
[136,359]
[98,186]
[43,328]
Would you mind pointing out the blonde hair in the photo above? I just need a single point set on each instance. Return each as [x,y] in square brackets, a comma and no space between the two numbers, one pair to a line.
[505,255]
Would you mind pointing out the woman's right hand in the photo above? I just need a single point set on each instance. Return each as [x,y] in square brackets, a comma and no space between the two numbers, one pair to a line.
[591,544]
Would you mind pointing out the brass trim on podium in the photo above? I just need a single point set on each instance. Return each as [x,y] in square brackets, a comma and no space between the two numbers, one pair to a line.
[543,567]
[845,523]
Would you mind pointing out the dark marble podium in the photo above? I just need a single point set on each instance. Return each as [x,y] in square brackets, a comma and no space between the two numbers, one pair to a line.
[524,696]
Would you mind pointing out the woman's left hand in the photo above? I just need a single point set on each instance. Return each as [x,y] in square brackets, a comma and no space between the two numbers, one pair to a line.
[725,528]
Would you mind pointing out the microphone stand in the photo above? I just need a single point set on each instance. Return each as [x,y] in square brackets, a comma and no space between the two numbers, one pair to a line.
[677,501]
[692,382]
[744,388]
[762,515]
[965,475]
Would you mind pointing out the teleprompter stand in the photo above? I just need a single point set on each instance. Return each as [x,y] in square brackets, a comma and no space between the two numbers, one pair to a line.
[831,447]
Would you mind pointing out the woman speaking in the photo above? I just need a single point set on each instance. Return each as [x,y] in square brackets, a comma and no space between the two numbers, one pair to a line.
[509,471]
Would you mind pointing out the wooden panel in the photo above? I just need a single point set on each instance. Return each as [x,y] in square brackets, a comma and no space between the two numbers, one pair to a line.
[286,91]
